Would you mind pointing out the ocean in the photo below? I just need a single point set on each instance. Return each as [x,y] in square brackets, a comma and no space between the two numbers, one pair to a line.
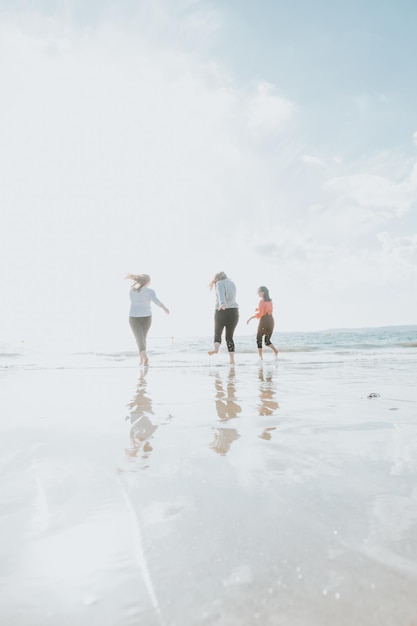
[396,343]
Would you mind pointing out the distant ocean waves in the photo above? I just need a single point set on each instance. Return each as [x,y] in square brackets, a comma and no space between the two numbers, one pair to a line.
[332,340]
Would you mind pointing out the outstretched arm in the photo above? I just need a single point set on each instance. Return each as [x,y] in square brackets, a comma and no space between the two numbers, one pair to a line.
[158,302]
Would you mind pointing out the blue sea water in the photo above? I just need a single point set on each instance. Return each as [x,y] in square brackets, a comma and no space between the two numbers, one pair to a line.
[395,342]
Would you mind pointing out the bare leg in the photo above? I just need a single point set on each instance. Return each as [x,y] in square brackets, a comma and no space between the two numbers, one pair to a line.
[232,358]
[140,327]
[260,353]
[216,349]
[271,345]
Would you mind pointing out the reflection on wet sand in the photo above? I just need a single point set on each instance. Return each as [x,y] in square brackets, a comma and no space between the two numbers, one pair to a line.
[223,439]
[227,409]
[226,405]
[268,405]
[142,429]
[266,434]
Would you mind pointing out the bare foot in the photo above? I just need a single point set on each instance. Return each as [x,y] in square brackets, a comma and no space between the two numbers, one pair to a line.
[215,348]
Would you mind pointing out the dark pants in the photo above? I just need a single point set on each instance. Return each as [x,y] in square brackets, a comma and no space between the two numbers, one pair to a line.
[265,329]
[227,318]
[140,327]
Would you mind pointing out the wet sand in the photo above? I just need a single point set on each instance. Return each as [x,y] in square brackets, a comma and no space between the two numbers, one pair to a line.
[208,495]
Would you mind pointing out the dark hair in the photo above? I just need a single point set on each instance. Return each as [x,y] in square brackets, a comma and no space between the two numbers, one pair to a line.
[267,297]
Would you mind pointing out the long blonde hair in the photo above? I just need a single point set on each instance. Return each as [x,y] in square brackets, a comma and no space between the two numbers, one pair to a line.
[139,280]
[218,276]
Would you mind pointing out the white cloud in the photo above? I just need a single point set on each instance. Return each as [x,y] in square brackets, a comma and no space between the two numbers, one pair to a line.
[295,247]
[376,192]
[415,138]
[311,160]
[404,247]
[268,112]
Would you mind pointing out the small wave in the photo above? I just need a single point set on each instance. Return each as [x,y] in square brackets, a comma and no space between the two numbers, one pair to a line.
[367,346]
[300,349]
[108,355]
[407,344]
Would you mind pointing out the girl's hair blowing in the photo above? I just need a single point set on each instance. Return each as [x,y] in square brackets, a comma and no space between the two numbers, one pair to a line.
[139,280]
[218,276]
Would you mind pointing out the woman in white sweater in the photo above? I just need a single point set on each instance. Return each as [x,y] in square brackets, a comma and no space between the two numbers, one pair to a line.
[140,314]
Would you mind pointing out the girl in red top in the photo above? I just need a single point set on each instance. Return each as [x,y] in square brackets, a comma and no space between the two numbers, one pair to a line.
[266,321]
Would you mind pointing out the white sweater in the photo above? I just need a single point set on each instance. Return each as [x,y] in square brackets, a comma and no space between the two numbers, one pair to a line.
[226,294]
[140,302]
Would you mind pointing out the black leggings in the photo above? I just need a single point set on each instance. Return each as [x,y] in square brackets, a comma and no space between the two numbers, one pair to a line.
[140,327]
[265,328]
[226,318]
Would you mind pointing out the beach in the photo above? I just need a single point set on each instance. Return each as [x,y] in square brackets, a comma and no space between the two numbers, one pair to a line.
[195,493]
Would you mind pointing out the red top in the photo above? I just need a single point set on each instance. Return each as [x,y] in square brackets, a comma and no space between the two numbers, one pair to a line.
[263,308]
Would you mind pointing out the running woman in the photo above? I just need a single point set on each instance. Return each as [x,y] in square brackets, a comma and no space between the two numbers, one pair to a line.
[140,315]
[266,321]
[226,315]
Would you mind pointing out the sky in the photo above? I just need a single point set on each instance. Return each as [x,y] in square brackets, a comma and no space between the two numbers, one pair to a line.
[274,141]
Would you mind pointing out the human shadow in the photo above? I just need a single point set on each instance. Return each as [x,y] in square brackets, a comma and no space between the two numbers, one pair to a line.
[227,409]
